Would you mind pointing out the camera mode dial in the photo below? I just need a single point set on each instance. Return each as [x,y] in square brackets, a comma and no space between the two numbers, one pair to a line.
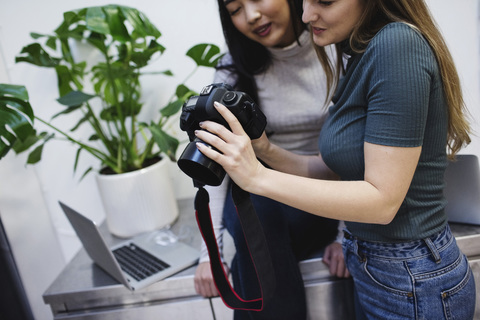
[229,97]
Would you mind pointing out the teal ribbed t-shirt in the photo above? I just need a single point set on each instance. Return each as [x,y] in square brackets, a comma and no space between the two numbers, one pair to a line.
[392,95]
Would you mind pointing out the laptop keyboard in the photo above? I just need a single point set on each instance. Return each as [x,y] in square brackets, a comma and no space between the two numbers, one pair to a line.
[138,263]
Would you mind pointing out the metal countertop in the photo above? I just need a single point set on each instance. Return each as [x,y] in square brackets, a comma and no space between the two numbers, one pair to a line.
[83,285]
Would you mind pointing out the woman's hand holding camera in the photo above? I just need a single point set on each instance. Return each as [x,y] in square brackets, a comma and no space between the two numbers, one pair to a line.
[236,154]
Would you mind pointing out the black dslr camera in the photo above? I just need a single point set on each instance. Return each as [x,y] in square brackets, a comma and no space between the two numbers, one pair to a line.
[200,108]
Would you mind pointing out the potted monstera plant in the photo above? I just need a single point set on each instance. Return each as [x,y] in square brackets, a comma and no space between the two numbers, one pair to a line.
[107,96]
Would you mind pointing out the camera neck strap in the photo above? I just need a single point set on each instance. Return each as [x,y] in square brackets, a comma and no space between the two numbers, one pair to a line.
[256,243]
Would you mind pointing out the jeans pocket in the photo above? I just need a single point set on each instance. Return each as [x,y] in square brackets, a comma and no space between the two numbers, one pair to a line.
[459,301]
[389,275]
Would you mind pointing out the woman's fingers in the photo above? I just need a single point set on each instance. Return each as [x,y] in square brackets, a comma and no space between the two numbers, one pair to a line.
[228,142]
[231,149]
[232,121]
[203,280]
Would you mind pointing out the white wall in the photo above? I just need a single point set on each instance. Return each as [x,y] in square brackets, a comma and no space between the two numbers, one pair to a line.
[461,29]
[28,196]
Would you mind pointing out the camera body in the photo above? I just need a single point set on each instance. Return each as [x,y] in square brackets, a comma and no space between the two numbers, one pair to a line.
[200,108]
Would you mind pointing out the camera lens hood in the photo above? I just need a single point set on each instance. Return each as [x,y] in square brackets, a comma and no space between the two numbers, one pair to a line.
[199,167]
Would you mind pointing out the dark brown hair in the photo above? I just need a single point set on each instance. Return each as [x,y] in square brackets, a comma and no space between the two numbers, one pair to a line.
[249,57]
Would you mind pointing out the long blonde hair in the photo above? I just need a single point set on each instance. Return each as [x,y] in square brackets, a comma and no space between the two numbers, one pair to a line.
[415,13]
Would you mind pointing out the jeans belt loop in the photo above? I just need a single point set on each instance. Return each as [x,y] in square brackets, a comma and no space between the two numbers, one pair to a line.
[433,249]
[355,249]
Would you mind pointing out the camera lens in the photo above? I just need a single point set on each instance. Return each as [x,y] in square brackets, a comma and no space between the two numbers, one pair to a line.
[199,167]
[229,97]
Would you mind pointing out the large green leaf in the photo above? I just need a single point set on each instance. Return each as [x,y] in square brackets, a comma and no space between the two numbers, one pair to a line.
[67,111]
[70,18]
[95,19]
[164,141]
[16,116]
[141,58]
[183,92]
[6,145]
[51,40]
[98,40]
[172,108]
[116,22]
[140,23]
[15,106]
[75,98]
[35,54]
[111,19]
[64,79]
[205,54]
[36,155]
[21,146]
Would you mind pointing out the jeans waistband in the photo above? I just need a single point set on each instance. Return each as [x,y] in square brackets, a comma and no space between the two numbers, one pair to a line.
[415,248]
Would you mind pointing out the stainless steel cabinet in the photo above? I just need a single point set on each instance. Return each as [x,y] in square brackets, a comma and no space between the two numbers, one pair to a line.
[84,291]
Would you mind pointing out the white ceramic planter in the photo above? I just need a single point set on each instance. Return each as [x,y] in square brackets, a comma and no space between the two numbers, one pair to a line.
[138,201]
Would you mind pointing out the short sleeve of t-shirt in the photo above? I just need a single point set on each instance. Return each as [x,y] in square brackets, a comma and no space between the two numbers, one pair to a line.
[400,81]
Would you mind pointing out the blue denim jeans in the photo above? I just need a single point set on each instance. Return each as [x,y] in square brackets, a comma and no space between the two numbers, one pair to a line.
[292,235]
[423,279]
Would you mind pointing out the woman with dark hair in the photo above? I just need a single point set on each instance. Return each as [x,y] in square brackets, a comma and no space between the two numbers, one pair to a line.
[398,115]
[271,57]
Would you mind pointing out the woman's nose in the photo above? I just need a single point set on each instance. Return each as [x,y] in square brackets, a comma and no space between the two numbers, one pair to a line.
[308,13]
[253,14]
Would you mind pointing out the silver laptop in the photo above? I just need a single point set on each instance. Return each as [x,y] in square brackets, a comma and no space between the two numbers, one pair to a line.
[462,190]
[137,262]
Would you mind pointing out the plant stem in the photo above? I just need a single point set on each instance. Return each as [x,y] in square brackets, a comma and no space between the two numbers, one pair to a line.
[121,116]
[93,151]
